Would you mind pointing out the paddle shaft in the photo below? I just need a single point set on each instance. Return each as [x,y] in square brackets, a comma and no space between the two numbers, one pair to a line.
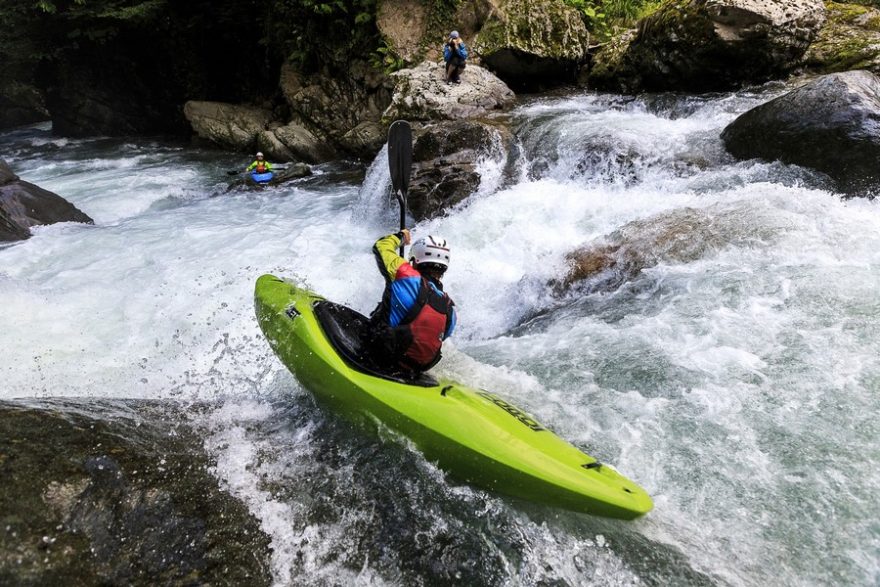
[401,198]
[400,165]
[237,171]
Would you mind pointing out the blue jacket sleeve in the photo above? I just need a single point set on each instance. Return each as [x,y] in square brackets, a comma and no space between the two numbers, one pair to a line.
[452,320]
[462,51]
[446,52]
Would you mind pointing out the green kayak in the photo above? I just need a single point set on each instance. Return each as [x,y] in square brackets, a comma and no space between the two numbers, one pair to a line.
[474,435]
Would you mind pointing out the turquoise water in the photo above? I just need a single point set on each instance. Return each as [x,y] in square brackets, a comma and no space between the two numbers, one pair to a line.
[735,377]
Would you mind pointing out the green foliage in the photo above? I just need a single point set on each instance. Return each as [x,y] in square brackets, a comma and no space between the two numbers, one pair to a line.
[47,7]
[386,59]
[143,11]
[310,32]
[605,17]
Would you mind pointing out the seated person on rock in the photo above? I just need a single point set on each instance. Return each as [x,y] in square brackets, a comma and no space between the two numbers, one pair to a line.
[260,165]
[455,53]
[415,316]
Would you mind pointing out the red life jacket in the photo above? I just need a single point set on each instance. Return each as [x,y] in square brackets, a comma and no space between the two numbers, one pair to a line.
[423,328]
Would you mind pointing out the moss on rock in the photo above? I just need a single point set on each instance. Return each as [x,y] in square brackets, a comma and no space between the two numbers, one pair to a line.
[697,45]
[530,43]
[849,40]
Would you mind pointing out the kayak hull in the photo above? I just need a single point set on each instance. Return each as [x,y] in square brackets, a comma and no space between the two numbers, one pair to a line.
[262,177]
[472,434]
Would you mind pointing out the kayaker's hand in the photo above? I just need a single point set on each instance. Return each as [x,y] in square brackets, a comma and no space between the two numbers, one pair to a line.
[407,239]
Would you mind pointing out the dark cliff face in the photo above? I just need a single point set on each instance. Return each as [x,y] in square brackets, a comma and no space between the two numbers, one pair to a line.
[114,68]
[118,67]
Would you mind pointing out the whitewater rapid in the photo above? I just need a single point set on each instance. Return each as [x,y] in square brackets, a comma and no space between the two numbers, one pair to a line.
[739,386]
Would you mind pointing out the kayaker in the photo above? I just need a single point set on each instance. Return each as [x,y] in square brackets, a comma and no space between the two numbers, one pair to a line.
[455,53]
[415,316]
[260,165]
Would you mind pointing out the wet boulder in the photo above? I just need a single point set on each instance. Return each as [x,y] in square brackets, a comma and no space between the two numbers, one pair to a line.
[445,162]
[23,204]
[331,105]
[11,230]
[831,124]
[6,174]
[301,143]
[421,93]
[115,493]
[532,44]
[365,138]
[227,125]
[849,40]
[699,45]
[679,236]
[274,150]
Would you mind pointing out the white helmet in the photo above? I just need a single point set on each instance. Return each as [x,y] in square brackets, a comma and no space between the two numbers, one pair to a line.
[430,249]
[259,154]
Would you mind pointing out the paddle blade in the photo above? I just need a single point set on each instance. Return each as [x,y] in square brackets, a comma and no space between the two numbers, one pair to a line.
[400,155]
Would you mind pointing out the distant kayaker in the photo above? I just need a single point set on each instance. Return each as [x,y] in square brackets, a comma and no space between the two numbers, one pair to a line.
[455,53]
[260,165]
[415,316]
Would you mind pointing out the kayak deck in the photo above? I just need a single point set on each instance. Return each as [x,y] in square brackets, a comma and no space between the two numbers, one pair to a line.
[262,177]
[472,434]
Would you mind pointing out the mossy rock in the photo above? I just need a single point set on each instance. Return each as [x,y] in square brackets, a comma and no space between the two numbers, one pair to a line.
[849,40]
[696,45]
[533,43]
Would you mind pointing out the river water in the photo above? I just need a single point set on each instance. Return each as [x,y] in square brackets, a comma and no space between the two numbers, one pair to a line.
[738,382]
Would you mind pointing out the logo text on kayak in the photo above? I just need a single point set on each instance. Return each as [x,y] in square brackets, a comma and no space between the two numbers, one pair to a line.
[512,410]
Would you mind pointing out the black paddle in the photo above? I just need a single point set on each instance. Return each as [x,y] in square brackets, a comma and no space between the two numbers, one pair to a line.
[237,171]
[400,164]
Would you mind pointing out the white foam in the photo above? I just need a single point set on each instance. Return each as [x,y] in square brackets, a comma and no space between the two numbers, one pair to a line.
[739,387]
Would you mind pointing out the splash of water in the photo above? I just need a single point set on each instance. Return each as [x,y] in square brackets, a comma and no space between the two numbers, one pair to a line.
[737,383]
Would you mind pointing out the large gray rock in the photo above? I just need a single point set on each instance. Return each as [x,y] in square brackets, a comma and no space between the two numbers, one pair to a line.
[331,112]
[303,143]
[227,125]
[831,124]
[421,93]
[678,236]
[700,45]
[445,156]
[117,493]
[367,137]
[23,204]
[530,43]
[330,105]
[6,173]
